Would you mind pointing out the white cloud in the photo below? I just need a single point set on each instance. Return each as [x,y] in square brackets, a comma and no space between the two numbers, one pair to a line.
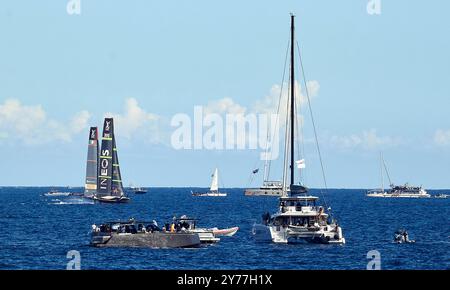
[270,103]
[266,105]
[368,140]
[136,120]
[224,106]
[80,121]
[30,124]
[442,137]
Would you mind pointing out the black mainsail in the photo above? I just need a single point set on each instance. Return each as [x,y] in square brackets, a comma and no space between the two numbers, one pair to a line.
[116,181]
[90,187]
[106,162]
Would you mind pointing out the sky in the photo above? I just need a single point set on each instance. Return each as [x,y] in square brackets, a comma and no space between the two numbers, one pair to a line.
[379,83]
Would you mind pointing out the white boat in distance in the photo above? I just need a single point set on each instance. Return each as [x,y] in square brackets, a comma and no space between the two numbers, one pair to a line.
[214,189]
[405,191]
[54,192]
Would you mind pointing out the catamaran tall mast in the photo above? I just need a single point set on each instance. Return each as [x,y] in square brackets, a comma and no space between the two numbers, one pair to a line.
[292,100]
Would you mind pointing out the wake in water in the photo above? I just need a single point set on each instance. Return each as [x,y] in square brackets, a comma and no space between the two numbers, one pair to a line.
[71,201]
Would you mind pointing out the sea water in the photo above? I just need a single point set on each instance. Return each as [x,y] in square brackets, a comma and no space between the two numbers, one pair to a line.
[38,231]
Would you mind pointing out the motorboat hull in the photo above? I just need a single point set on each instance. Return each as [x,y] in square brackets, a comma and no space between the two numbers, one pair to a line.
[146,240]
[206,236]
[140,191]
[225,232]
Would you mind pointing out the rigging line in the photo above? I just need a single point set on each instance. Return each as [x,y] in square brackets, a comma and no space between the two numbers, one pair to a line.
[300,138]
[314,125]
[278,108]
[286,143]
[387,172]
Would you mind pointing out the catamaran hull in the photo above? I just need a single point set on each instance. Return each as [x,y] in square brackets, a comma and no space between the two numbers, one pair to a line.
[286,235]
[147,240]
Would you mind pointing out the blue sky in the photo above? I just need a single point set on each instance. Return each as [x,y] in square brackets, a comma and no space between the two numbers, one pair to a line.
[384,85]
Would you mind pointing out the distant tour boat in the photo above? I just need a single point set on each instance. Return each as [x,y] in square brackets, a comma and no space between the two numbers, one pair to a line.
[214,189]
[138,190]
[269,188]
[55,192]
[404,191]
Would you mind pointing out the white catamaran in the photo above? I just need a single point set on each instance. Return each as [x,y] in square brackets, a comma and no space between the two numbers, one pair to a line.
[299,217]
[405,191]
[214,189]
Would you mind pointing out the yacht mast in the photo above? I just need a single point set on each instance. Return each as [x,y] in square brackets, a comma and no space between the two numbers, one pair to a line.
[292,100]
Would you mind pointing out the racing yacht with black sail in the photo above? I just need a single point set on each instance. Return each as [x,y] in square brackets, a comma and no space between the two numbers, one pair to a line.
[109,186]
[299,218]
[90,186]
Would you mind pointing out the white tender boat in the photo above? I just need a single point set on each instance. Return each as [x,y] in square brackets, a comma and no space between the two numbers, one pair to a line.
[207,235]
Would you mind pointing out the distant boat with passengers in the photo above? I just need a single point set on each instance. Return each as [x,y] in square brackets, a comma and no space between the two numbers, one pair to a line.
[401,191]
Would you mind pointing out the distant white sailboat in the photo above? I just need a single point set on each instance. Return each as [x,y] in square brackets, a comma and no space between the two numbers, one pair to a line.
[214,189]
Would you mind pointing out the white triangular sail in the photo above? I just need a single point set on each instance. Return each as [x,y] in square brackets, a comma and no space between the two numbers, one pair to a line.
[215,181]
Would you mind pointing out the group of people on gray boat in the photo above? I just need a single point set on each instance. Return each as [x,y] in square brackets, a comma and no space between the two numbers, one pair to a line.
[133,227]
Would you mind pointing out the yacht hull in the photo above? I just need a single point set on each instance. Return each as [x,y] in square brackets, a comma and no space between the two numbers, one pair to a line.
[211,194]
[111,199]
[287,235]
[399,195]
[146,240]
[263,192]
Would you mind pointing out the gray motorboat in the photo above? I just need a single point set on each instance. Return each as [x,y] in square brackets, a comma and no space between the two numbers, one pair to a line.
[140,234]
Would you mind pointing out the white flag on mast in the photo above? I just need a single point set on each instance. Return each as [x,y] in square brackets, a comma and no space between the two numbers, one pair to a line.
[300,164]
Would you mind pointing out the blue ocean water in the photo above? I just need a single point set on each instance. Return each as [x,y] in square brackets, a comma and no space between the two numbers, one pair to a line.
[38,231]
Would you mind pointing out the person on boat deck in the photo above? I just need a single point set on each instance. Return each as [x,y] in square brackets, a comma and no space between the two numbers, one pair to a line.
[405,236]
[172,228]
